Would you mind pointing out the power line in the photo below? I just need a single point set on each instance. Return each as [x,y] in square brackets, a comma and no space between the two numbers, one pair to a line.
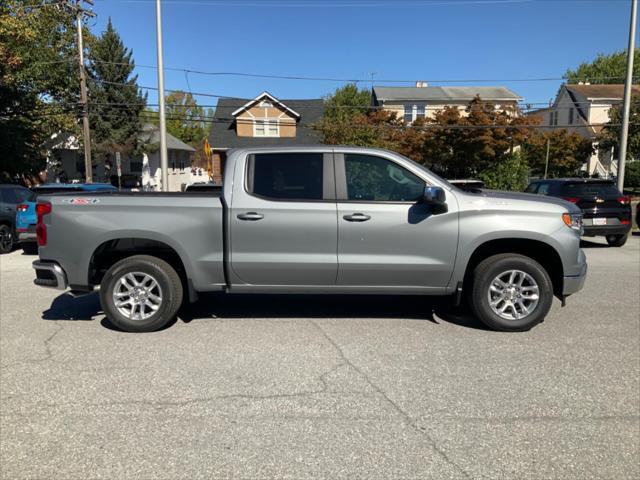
[355,79]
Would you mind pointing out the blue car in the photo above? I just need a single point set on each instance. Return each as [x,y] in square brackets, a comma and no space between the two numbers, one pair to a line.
[26,211]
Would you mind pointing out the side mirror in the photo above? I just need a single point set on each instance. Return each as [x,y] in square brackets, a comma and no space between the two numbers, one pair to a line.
[435,197]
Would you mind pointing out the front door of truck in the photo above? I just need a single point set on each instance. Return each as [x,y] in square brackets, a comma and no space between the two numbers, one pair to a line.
[283,220]
[386,237]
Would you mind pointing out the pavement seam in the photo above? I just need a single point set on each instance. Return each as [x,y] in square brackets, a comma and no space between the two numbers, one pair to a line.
[407,418]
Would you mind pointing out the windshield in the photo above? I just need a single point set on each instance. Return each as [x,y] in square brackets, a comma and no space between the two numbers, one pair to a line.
[48,190]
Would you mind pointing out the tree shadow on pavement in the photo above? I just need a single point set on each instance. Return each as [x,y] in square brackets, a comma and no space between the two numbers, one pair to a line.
[264,306]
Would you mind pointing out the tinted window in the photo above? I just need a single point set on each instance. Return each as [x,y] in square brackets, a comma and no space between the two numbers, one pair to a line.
[9,195]
[590,189]
[543,188]
[531,188]
[379,180]
[24,195]
[287,176]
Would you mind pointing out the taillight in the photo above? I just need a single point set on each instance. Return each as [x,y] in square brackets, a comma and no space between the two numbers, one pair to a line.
[625,222]
[42,209]
[22,207]
[624,200]
[571,199]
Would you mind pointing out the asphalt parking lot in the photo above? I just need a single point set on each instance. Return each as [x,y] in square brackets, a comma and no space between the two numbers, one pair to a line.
[322,387]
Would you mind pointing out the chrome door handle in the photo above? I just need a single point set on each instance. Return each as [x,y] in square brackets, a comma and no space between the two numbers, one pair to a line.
[357,217]
[252,216]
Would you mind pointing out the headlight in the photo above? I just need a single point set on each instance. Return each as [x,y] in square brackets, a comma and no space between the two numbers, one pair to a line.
[573,221]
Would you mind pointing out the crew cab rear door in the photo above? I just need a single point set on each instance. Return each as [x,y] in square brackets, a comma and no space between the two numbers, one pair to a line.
[282,220]
[386,237]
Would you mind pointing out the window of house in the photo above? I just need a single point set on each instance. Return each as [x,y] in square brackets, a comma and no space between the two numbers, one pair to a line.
[266,128]
[408,113]
[266,104]
[286,176]
[570,116]
[376,179]
[413,112]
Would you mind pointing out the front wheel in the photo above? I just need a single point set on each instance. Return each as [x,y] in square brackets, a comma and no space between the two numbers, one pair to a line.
[617,240]
[141,293]
[511,292]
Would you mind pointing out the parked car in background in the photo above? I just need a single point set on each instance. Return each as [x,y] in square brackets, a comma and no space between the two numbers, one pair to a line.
[10,196]
[313,220]
[25,215]
[607,212]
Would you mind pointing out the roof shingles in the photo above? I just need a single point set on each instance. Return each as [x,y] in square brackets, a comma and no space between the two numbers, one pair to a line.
[223,133]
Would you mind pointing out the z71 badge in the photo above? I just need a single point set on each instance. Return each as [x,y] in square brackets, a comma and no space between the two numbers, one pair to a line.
[81,201]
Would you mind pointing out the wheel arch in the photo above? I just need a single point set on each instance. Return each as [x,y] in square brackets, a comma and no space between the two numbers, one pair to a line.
[542,252]
[112,250]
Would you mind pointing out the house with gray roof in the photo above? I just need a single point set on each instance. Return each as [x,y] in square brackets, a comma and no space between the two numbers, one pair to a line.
[411,103]
[584,109]
[262,121]
[66,161]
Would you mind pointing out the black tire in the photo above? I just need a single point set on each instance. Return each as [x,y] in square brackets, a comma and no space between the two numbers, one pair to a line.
[617,240]
[30,248]
[170,289]
[488,270]
[6,238]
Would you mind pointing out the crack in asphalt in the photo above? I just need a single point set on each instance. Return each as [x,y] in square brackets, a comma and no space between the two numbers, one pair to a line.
[407,418]
[47,348]
[323,389]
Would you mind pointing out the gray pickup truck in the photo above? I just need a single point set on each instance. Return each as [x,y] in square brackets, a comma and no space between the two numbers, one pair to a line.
[313,220]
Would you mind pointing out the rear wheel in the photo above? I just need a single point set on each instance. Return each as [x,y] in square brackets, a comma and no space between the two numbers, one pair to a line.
[617,240]
[511,292]
[6,238]
[141,293]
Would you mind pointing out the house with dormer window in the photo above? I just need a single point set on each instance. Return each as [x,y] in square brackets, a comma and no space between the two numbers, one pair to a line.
[262,121]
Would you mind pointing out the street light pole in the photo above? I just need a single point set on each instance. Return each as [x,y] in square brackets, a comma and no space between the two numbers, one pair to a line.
[164,162]
[624,131]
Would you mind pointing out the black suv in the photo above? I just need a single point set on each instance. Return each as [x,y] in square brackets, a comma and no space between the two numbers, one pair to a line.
[607,212]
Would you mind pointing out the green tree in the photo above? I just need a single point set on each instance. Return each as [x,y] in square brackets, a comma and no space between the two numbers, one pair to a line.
[186,120]
[609,68]
[38,81]
[511,173]
[115,101]
[568,151]
[347,102]
[610,135]
[632,175]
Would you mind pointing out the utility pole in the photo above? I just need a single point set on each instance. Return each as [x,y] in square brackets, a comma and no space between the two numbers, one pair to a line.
[80,13]
[164,161]
[546,163]
[624,133]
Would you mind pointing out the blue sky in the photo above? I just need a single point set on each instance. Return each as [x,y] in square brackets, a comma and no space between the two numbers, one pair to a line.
[401,39]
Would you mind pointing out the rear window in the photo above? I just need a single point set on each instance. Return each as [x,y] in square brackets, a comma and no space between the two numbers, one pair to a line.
[286,176]
[591,189]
